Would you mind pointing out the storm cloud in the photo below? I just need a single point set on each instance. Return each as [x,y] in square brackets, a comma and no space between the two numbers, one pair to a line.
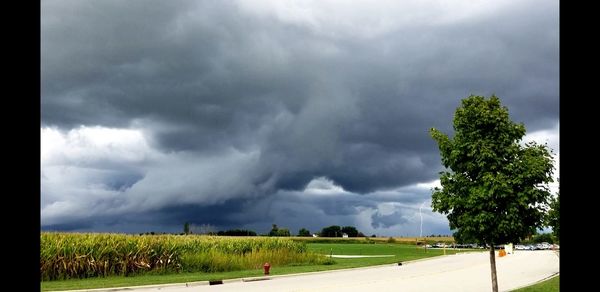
[242,114]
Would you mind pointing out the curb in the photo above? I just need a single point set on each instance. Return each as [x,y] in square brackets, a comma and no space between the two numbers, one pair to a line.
[536,282]
[132,288]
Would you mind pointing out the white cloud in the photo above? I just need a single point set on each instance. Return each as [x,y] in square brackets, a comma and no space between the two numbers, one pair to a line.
[364,18]
[323,186]
[240,124]
[93,145]
[429,185]
[85,171]
[98,171]
[551,137]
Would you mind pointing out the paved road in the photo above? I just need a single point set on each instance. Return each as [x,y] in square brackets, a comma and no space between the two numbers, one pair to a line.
[461,272]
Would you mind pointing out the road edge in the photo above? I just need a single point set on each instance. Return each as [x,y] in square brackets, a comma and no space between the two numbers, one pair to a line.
[248,279]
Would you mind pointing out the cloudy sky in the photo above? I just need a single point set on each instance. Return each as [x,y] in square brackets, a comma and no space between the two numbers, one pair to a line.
[243,114]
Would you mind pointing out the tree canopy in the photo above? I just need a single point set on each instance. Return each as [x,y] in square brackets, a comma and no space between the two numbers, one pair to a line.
[351,231]
[494,189]
[276,231]
[303,232]
[331,231]
[237,232]
[554,216]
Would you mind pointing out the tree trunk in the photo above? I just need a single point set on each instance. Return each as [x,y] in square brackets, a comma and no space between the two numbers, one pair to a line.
[493,265]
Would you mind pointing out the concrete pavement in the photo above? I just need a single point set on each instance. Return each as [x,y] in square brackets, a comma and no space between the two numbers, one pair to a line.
[461,272]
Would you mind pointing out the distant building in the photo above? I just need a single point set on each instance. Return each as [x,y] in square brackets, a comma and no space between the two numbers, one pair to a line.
[344,235]
[314,235]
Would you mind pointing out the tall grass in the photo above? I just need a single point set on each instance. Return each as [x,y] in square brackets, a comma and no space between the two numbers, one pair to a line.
[82,255]
[216,261]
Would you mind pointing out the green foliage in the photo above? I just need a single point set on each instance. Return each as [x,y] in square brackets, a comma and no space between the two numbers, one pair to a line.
[337,231]
[186,228]
[331,231]
[403,253]
[274,230]
[544,237]
[236,232]
[303,232]
[82,255]
[350,230]
[494,190]
[391,240]
[283,232]
[551,285]
[214,261]
[329,240]
[554,216]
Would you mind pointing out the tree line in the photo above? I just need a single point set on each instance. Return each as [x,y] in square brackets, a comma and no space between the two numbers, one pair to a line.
[329,231]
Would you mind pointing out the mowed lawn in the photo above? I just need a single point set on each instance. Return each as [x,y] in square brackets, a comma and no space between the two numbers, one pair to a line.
[551,285]
[401,252]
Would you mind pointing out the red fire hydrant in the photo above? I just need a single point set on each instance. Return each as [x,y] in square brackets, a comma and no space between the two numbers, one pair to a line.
[267,267]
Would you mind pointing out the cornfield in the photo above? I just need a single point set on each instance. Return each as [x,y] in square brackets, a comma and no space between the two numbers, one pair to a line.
[83,255]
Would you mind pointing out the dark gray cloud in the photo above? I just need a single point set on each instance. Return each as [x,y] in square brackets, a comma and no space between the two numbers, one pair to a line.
[387,220]
[239,102]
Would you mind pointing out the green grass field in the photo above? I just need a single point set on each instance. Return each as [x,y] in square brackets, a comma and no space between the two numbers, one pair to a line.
[401,252]
[406,240]
[551,285]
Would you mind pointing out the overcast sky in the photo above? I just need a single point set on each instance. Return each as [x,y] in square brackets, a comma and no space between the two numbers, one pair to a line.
[243,114]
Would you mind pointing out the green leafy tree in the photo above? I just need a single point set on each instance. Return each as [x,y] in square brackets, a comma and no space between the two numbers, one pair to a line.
[237,232]
[186,228]
[350,230]
[283,232]
[274,230]
[331,231]
[554,216]
[494,190]
[544,237]
[303,232]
